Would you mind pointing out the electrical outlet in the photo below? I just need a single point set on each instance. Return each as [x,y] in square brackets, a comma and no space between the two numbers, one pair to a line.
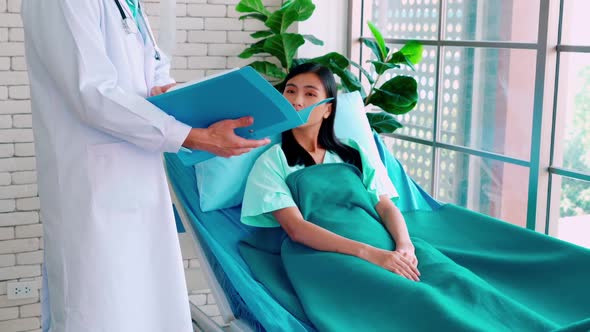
[21,290]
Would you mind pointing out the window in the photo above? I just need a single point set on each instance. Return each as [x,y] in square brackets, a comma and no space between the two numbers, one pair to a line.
[504,110]
[570,158]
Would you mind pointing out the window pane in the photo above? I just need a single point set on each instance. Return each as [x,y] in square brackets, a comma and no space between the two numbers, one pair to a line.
[488,186]
[415,158]
[487,99]
[574,222]
[575,23]
[488,20]
[408,19]
[492,20]
[572,128]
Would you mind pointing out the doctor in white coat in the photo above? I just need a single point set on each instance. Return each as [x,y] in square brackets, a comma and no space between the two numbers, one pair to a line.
[112,257]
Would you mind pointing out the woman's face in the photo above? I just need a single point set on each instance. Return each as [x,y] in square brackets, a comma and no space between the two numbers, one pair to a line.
[305,90]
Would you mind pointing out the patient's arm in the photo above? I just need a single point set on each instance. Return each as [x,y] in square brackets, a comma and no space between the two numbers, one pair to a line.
[318,238]
[396,225]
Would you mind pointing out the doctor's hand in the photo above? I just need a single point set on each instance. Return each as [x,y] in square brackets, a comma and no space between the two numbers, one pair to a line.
[393,261]
[221,139]
[158,90]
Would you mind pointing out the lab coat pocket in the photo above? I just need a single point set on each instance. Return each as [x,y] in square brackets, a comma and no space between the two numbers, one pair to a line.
[115,188]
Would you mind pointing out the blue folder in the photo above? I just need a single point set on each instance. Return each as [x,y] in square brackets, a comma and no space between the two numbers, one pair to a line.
[235,94]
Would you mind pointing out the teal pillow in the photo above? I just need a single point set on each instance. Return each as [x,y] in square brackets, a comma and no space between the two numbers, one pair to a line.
[221,181]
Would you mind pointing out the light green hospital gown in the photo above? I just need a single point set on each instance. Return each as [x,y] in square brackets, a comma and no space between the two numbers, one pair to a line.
[267,191]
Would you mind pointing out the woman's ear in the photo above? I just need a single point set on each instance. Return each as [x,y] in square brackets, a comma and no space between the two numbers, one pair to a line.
[328,111]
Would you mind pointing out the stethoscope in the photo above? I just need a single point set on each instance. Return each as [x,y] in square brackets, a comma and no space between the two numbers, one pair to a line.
[131,27]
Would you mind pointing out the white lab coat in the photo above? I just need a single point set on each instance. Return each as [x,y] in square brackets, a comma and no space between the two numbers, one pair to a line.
[112,255]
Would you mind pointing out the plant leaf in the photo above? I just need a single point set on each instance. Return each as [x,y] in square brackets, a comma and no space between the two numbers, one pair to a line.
[399,95]
[313,40]
[364,71]
[413,51]
[375,48]
[261,34]
[287,3]
[255,48]
[297,10]
[269,69]
[284,46]
[249,6]
[383,122]
[409,55]
[379,39]
[260,17]
[335,58]
[338,64]
[399,58]
[299,61]
[349,81]
[382,67]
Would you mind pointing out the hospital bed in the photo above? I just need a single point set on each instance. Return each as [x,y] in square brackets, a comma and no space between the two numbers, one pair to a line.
[246,305]
[216,236]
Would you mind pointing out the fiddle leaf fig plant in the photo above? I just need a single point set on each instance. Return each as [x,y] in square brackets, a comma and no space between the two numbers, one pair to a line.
[398,95]
[275,40]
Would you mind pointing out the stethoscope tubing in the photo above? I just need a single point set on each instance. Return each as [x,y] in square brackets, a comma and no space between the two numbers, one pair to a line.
[125,20]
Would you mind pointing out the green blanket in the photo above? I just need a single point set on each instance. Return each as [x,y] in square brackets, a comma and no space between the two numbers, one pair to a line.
[477,273]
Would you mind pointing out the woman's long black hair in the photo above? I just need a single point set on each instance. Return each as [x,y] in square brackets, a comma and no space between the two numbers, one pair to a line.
[295,153]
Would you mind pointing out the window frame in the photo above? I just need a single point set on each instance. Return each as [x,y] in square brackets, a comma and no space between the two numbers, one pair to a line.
[543,203]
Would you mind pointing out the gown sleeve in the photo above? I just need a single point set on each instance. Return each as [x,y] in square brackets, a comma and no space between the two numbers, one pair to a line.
[375,176]
[266,189]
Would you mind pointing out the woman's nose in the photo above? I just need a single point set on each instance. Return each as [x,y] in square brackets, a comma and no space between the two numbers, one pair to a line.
[297,102]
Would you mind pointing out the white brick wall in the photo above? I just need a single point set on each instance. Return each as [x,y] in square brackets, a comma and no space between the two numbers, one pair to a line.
[20,230]
[209,37]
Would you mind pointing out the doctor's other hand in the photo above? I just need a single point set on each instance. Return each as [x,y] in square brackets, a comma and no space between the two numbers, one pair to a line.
[221,139]
[158,90]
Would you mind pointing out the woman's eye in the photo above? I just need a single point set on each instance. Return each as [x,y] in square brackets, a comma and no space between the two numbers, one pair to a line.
[289,91]
[310,94]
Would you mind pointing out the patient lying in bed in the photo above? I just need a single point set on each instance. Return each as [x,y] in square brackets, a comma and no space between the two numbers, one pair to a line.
[348,254]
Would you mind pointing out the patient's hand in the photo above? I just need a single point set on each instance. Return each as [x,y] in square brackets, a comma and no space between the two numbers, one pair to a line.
[407,250]
[393,261]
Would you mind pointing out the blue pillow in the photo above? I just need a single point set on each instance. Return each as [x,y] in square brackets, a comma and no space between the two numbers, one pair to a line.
[351,122]
[221,181]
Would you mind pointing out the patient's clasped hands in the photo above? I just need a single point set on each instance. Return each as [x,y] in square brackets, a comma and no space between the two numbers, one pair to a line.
[407,251]
[402,261]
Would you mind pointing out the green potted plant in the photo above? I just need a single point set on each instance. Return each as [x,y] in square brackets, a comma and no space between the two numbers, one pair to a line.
[396,96]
